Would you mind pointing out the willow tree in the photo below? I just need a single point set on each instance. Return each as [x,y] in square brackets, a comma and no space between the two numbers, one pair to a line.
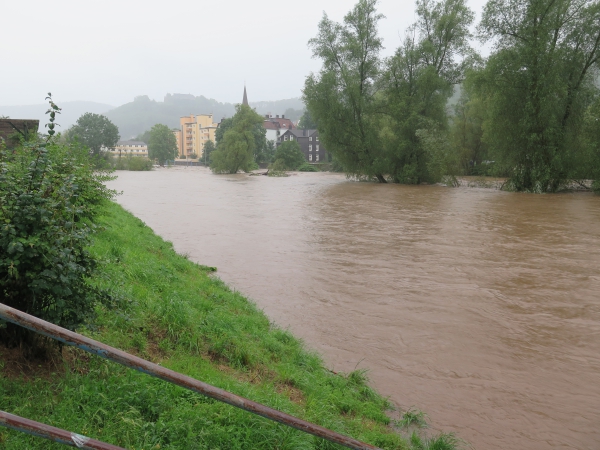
[417,83]
[341,98]
[539,81]
[235,149]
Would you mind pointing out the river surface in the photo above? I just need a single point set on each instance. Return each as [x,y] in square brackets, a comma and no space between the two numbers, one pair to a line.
[479,307]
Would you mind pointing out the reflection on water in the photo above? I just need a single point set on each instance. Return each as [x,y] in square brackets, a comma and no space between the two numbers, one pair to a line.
[477,306]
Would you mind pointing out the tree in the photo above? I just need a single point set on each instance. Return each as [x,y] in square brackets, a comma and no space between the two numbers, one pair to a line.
[258,131]
[144,137]
[237,144]
[416,85]
[306,121]
[94,131]
[162,144]
[290,155]
[209,147]
[342,97]
[538,83]
[270,151]
[370,111]
[50,194]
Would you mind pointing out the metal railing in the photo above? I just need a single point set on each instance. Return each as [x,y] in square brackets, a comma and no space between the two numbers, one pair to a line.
[104,351]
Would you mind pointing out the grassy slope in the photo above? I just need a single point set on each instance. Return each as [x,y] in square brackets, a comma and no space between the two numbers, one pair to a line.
[171,311]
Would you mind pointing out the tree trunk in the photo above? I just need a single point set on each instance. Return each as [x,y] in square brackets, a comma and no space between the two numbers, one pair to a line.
[380,178]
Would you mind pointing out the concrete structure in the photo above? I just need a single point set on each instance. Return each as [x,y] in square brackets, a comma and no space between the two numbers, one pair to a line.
[12,129]
[130,148]
[309,144]
[195,131]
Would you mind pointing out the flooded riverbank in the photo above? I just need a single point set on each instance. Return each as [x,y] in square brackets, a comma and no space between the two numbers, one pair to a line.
[477,306]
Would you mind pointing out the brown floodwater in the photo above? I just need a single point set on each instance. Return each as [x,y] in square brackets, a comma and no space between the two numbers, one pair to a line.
[479,307]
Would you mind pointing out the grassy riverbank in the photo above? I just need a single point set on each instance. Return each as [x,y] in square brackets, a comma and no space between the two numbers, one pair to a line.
[172,311]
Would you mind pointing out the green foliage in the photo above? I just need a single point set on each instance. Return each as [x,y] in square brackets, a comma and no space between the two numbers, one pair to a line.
[370,110]
[237,142]
[289,153]
[342,97]
[144,137]
[49,197]
[269,151]
[306,121]
[209,147]
[413,417]
[130,162]
[537,84]
[277,169]
[306,167]
[94,131]
[162,144]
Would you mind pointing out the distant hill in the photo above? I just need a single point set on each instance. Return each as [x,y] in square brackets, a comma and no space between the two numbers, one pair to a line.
[142,113]
[71,111]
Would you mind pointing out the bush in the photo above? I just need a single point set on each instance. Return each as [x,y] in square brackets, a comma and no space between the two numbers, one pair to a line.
[135,163]
[289,152]
[277,169]
[306,167]
[49,196]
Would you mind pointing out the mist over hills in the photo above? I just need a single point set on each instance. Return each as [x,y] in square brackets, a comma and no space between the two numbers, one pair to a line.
[71,111]
[142,113]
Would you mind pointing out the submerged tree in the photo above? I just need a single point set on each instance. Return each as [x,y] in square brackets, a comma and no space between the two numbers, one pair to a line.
[290,155]
[416,86]
[538,82]
[237,144]
[162,144]
[342,97]
[369,111]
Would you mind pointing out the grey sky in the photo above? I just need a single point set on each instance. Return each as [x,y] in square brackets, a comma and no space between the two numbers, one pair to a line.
[111,51]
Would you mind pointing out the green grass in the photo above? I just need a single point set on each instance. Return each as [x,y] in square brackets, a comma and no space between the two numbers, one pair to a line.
[174,312]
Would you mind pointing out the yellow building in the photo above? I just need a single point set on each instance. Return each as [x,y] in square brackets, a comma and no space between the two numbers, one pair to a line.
[196,130]
[130,148]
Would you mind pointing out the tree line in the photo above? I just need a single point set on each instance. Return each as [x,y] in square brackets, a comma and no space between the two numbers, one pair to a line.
[528,112]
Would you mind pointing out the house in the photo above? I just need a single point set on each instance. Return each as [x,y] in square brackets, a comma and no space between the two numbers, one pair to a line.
[309,144]
[275,126]
[129,148]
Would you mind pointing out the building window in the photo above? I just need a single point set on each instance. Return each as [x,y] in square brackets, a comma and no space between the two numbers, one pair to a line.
[310,148]
[316,157]
[291,138]
[317,147]
[317,138]
[285,138]
[310,157]
[310,138]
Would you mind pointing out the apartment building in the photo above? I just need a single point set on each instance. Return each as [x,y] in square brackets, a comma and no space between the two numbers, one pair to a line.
[195,131]
[129,148]
[313,150]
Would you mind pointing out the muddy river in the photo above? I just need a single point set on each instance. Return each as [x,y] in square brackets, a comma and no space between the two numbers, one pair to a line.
[479,307]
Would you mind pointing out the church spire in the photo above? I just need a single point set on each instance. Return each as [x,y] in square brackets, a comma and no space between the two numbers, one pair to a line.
[245,100]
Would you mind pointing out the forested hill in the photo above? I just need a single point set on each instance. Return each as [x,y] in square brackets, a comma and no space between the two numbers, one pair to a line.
[71,111]
[141,114]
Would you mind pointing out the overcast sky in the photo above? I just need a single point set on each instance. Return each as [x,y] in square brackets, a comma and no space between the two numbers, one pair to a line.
[112,51]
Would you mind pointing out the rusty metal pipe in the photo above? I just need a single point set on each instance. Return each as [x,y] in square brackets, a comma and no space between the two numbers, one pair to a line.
[52,433]
[89,345]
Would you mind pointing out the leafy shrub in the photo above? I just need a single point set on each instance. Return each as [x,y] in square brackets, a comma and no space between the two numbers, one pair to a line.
[277,169]
[134,163]
[49,196]
[306,167]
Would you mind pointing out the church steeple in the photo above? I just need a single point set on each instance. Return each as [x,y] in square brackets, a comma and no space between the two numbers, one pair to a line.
[245,100]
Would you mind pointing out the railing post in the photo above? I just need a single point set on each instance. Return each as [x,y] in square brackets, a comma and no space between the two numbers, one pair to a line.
[89,345]
[52,433]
